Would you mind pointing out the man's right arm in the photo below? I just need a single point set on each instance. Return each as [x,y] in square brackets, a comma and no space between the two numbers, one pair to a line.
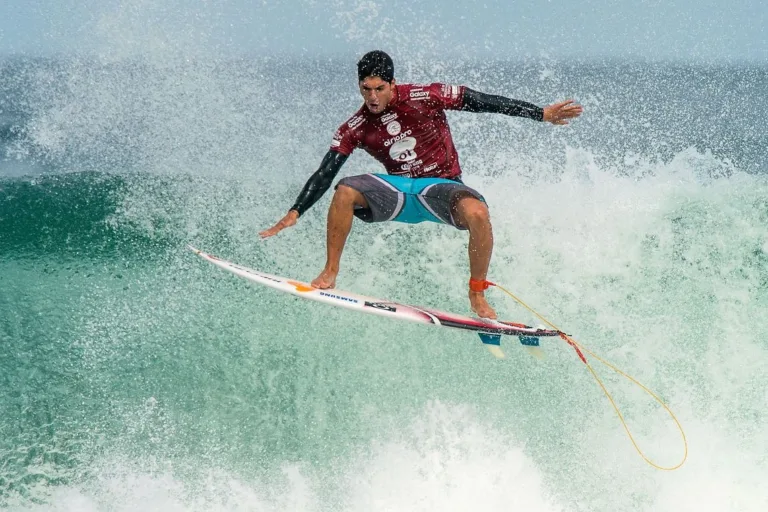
[320,181]
[313,190]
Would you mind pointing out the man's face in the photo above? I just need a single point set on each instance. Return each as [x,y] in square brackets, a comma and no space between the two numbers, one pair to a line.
[377,93]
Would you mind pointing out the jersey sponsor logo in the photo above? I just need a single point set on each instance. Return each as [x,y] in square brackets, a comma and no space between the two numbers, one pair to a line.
[393,128]
[403,150]
[451,91]
[430,168]
[412,166]
[339,297]
[355,122]
[391,141]
[419,95]
[389,117]
[381,305]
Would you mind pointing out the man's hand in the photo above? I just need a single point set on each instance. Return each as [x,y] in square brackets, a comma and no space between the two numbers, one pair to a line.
[289,220]
[559,113]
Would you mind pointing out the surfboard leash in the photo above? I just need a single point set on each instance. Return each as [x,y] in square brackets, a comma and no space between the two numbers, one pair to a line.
[580,351]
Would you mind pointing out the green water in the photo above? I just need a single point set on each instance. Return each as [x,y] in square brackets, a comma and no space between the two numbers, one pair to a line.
[137,377]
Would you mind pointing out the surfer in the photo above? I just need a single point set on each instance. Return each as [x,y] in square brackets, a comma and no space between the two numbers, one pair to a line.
[404,127]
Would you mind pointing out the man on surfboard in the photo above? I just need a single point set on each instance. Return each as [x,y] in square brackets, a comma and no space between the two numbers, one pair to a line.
[404,127]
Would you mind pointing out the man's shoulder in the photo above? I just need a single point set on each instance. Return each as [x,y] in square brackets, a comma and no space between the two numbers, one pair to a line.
[355,120]
[431,93]
[418,86]
[350,132]
[415,91]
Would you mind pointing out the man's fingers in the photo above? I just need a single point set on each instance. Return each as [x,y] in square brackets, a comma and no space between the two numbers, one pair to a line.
[558,112]
[568,112]
[271,231]
[284,223]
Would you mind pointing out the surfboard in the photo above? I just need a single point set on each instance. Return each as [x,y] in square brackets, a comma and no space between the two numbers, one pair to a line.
[490,331]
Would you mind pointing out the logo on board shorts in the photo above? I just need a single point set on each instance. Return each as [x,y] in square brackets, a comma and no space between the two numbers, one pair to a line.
[393,128]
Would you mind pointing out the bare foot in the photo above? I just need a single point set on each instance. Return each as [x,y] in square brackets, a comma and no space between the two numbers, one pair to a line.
[480,306]
[326,279]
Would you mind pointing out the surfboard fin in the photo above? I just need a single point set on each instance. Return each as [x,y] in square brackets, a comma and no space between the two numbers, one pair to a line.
[493,343]
[536,352]
[531,344]
[529,341]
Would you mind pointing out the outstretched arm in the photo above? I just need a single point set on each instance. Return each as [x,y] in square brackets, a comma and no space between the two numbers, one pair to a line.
[476,101]
[558,113]
[313,190]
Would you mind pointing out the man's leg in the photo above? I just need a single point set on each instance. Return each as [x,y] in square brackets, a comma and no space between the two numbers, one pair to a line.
[340,217]
[472,214]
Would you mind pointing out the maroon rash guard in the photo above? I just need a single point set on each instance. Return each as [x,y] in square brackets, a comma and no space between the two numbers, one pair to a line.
[411,136]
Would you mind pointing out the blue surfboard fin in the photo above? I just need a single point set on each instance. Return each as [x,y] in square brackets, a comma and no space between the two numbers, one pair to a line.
[529,341]
[493,343]
[531,344]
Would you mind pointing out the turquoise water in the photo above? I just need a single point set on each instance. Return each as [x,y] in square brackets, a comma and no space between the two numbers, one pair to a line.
[137,377]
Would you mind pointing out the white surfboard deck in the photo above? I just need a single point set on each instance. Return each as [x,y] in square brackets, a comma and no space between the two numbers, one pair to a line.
[490,331]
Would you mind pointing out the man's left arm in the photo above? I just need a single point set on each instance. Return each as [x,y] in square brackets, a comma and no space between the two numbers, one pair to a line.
[558,113]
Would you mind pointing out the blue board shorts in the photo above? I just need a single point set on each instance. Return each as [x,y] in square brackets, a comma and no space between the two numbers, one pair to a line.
[409,200]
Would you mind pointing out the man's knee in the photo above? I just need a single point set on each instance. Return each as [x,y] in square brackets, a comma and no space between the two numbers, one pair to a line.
[473,212]
[348,196]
